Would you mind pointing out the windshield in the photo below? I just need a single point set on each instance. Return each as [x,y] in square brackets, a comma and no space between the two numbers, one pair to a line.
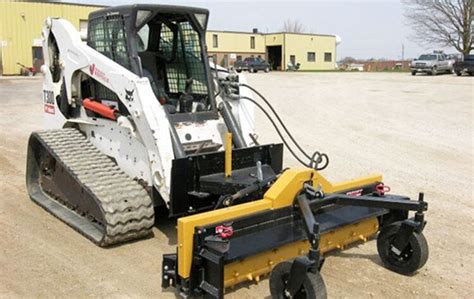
[469,57]
[427,57]
[170,50]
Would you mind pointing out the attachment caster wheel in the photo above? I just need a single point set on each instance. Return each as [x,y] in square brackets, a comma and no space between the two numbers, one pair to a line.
[313,286]
[410,259]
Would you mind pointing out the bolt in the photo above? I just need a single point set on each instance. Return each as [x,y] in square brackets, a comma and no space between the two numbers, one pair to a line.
[165,267]
[165,277]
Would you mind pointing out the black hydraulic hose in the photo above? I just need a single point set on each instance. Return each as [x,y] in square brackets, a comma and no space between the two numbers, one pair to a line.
[278,118]
[316,157]
[277,129]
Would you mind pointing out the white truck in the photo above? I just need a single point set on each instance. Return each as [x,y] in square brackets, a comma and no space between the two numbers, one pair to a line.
[431,64]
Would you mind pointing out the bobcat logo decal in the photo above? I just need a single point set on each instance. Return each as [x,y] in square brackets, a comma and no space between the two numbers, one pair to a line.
[129,95]
[92,68]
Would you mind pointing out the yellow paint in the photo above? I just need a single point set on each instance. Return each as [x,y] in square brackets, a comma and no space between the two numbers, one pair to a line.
[284,190]
[228,154]
[281,194]
[297,44]
[263,263]
[21,24]
[300,44]
[274,39]
[235,42]
[187,224]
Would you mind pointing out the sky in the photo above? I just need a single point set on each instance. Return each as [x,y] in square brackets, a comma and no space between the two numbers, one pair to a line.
[368,29]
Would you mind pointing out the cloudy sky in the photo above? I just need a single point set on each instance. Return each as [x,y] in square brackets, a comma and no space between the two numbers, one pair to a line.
[368,28]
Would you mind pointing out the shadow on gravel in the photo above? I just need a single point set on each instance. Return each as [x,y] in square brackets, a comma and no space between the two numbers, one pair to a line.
[166,225]
[372,257]
[343,253]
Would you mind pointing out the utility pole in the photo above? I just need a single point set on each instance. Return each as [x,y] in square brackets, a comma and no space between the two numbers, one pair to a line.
[403,52]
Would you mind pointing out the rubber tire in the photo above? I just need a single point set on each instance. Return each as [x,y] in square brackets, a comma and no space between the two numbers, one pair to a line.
[458,74]
[419,250]
[313,283]
[252,70]
[435,71]
[267,69]
[413,73]
[239,70]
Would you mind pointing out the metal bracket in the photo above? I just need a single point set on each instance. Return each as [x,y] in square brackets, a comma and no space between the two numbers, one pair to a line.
[403,236]
[300,266]
[168,270]
[312,230]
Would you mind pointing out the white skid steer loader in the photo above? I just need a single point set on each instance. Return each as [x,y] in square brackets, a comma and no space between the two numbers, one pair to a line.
[137,119]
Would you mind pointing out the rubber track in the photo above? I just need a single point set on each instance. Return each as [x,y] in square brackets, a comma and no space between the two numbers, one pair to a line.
[128,208]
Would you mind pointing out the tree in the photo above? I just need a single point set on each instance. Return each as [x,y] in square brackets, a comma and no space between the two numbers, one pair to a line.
[293,26]
[348,60]
[442,22]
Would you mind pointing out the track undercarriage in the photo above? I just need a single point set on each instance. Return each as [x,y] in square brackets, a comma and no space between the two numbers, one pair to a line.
[72,180]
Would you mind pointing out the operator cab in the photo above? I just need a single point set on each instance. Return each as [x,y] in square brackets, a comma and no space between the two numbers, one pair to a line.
[163,43]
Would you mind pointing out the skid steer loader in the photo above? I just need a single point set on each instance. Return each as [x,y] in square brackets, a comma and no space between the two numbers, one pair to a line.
[137,119]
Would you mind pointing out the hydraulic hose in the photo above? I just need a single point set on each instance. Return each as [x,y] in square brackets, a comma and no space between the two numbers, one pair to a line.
[277,130]
[315,159]
[315,154]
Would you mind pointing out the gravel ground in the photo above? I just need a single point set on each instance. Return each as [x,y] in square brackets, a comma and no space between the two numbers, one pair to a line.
[417,131]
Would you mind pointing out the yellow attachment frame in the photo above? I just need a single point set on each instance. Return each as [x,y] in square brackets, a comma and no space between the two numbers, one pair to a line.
[281,194]
[252,268]
[228,154]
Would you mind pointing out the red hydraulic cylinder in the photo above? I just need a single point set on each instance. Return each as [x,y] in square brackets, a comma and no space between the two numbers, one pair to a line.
[100,108]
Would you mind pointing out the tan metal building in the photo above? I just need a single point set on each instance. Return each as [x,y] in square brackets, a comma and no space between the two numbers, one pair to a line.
[20,30]
[21,23]
[311,51]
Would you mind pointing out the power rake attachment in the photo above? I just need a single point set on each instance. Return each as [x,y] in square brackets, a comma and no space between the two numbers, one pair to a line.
[287,233]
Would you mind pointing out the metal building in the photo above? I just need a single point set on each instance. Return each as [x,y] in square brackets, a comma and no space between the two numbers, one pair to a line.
[311,51]
[20,30]
[21,23]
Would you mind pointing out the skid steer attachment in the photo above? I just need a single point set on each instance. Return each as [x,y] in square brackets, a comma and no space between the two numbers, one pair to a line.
[301,217]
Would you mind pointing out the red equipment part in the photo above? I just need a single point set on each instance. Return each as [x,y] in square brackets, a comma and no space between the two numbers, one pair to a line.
[100,108]
[224,232]
[382,189]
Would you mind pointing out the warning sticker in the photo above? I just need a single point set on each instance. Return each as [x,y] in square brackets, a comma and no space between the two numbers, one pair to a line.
[48,100]
[357,192]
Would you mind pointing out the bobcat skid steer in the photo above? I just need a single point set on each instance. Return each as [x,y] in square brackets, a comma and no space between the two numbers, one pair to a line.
[137,119]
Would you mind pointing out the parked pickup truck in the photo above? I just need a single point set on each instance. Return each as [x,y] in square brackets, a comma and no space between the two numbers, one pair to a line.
[465,66]
[432,64]
[252,65]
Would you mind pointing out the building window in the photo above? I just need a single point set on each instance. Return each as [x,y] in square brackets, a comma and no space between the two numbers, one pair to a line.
[311,56]
[83,27]
[252,42]
[215,41]
[328,57]
[239,57]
